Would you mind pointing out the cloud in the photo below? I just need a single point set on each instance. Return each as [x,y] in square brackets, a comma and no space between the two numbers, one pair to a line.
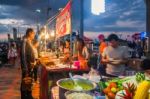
[122,15]
[137,2]
[16,16]
[128,23]
[127,14]
[120,26]
[11,22]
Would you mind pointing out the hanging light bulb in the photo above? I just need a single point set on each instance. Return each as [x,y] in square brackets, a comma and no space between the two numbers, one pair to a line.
[98,6]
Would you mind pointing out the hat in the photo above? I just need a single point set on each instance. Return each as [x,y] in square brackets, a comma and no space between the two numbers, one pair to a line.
[101,36]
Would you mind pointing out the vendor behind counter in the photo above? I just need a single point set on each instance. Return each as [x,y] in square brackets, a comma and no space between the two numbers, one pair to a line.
[115,57]
[83,53]
[67,48]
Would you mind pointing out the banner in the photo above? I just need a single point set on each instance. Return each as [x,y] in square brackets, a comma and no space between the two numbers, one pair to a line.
[63,21]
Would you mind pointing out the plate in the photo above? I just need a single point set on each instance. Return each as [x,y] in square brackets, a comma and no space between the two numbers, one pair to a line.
[115,61]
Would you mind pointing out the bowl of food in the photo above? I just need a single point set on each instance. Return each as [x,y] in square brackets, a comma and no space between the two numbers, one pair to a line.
[78,95]
[76,84]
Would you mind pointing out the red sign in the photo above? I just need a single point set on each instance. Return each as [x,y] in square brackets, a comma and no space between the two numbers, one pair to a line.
[63,21]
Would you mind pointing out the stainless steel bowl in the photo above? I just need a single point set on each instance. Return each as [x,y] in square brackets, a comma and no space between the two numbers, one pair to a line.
[68,84]
[78,95]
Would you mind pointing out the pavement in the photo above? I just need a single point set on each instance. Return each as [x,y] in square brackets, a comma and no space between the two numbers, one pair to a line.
[10,79]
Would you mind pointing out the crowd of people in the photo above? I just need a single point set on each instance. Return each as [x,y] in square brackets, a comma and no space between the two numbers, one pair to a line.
[9,52]
[110,61]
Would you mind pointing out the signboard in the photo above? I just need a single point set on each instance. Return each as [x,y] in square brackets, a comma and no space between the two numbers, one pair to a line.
[63,21]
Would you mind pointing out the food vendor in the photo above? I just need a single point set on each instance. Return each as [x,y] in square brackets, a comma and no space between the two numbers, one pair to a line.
[103,44]
[115,57]
[67,49]
[75,50]
[66,52]
[83,53]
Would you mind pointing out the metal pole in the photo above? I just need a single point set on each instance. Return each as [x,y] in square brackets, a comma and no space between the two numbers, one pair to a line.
[148,17]
[81,18]
[147,2]
[71,51]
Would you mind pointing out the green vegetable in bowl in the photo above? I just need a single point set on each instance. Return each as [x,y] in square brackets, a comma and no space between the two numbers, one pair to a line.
[119,81]
[71,86]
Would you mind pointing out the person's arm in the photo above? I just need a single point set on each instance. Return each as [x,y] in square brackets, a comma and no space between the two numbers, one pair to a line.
[32,56]
[104,56]
[86,53]
[23,58]
[105,59]
[8,55]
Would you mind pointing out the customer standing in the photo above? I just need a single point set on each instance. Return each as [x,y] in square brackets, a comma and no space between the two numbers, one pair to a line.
[115,57]
[27,60]
[12,54]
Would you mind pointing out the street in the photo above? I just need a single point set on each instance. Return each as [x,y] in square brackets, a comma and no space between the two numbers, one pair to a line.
[10,78]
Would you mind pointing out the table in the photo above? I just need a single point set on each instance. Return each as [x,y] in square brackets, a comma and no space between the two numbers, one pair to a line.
[48,78]
[135,63]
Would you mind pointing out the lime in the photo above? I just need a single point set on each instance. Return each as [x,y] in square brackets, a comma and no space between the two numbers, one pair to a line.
[114,90]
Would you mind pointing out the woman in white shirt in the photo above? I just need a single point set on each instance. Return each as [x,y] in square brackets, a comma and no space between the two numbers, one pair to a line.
[83,52]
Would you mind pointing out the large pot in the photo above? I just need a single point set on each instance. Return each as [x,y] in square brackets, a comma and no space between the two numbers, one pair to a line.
[68,84]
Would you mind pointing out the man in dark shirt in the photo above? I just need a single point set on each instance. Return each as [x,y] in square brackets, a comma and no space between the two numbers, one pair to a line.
[27,60]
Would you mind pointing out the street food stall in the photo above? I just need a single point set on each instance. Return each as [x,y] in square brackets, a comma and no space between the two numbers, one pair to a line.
[55,82]
[53,69]
[56,64]
[56,69]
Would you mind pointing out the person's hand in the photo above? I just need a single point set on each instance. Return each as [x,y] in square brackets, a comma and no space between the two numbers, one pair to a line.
[38,61]
[105,61]
[33,64]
